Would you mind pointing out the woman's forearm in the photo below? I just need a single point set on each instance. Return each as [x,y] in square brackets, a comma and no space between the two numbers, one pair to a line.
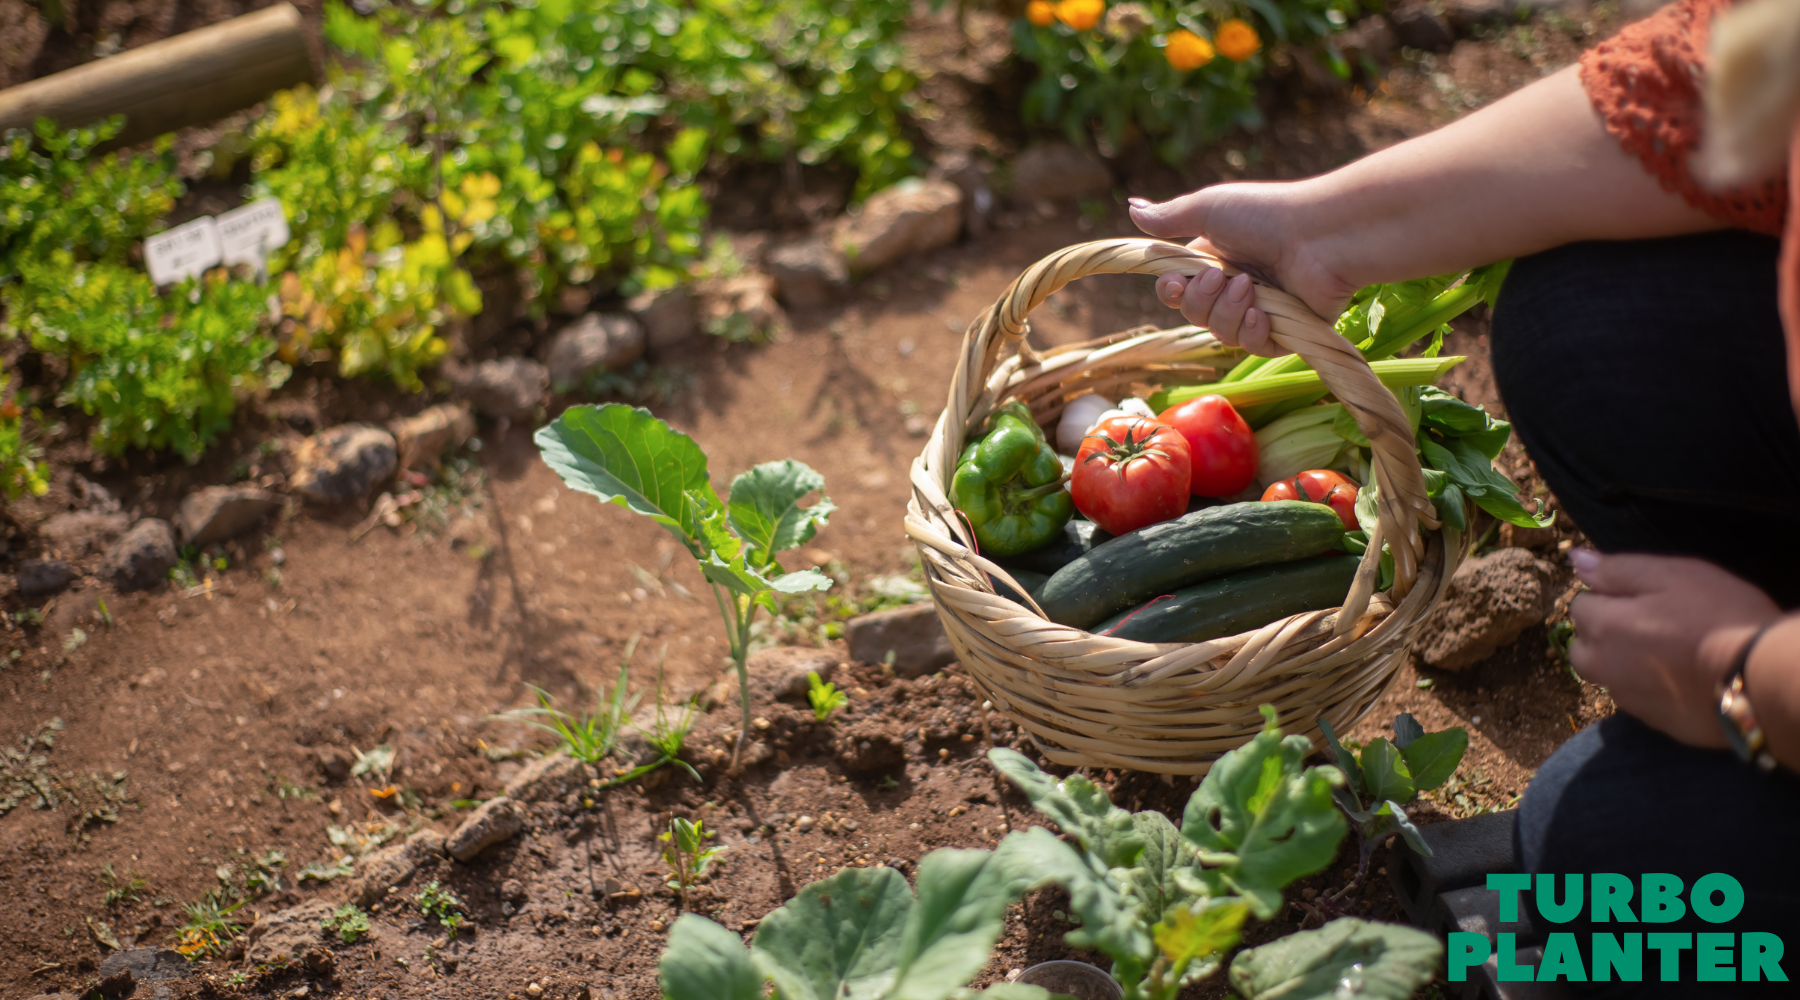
[1532,171]
[1772,681]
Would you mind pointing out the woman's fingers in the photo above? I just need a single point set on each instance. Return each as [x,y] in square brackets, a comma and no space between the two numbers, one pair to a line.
[1222,305]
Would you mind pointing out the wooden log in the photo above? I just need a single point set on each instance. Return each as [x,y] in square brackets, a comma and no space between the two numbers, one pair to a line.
[188,79]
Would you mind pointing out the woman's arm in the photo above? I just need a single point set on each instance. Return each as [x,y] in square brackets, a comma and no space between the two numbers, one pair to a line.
[1532,171]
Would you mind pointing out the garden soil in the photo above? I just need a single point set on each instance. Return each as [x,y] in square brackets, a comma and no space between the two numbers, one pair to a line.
[202,727]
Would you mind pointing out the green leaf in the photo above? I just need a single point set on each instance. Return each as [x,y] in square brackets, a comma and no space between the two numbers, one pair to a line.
[801,582]
[1452,417]
[1432,757]
[840,937]
[1202,932]
[1393,816]
[1263,820]
[766,512]
[1111,920]
[960,913]
[1346,761]
[1385,773]
[1406,729]
[624,455]
[707,962]
[1474,473]
[1077,805]
[1347,957]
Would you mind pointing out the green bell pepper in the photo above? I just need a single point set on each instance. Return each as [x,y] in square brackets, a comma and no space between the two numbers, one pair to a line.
[1009,485]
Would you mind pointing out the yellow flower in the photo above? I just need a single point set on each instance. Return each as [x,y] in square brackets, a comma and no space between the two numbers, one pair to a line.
[1237,40]
[1041,13]
[1187,50]
[1080,14]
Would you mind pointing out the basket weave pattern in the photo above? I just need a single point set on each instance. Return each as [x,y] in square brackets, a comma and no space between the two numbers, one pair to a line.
[1168,707]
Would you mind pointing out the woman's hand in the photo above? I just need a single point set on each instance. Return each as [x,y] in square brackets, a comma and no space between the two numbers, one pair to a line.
[1660,632]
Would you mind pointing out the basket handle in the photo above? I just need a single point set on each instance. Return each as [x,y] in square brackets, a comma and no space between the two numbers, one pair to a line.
[1403,506]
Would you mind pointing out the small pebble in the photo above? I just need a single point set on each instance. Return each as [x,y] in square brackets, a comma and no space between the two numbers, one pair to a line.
[804,823]
[943,753]
[760,723]
[1012,975]
[656,925]
[533,989]
[1475,719]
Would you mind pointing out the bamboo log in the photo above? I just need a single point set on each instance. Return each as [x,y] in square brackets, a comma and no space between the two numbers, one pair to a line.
[189,79]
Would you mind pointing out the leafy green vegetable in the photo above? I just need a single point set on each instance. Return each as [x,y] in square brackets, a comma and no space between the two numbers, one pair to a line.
[625,455]
[1469,469]
[824,697]
[1388,776]
[1347,957]
[707,962]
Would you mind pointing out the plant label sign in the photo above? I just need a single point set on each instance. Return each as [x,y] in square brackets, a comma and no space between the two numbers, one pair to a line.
[183,252]
[249,232]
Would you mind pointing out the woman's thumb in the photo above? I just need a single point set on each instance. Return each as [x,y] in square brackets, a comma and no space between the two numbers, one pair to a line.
[1177,218]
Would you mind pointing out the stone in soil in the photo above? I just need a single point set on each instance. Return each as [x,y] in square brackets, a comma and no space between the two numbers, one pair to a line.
[342,464]
[1491,601]
[911,217]
[142,557]
[594,343]
[808,274]
[667,315]
[422,438]
[334,762]
[42,577]
[776,674]
[79,533]
[1058,171]
[289,933]
[506,388]
[913,634]
[220,513]
[494,821]
[160,968]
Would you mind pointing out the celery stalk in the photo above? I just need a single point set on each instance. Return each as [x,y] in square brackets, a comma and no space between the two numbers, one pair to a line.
[1393,372]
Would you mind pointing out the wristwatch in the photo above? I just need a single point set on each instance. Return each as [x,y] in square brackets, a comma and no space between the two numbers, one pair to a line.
[1736,717]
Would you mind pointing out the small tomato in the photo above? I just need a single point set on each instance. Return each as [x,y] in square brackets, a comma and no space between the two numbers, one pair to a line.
[1080,14]
[1131,472]
[1237,40]
[1333,489]
[1221,446]
[1041,13]
[1187,51]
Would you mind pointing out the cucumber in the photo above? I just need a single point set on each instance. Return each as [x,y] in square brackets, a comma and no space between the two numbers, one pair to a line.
[1142,564]
[1032,582]
[1244,600]
[1077,538]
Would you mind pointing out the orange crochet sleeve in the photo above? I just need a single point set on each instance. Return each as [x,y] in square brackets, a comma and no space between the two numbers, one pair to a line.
[1646,82]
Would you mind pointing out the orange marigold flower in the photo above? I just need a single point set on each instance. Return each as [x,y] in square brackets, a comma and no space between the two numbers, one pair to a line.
[1237,40]
[1080,14]
[1041,13]
[1186,50]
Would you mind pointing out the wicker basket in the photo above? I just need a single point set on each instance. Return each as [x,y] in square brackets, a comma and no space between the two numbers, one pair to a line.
[1168,707]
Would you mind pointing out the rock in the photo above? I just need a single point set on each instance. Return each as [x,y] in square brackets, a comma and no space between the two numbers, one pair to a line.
[334,762]
[493,822]
[1059,172]
[913,634]
[506,388]
[119,984]
[548,778]
[381,870]
[808,274]
[1417,26]
[595,342]
[342,464]
[863,747]
[776,674]
[289,933]
[421,439]
[161,968]
[913,216]
[512,891]
[43,577]
[142,557]
[667,315]
[77,534]
[1490,602]
[743,308]
[217,513]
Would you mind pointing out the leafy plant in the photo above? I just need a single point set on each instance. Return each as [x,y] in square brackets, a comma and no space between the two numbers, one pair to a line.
[666,735]
[587,738]
[208,928]
[348,922]
[824,696]
[625,455]
[1168,904]
[861,933]
[1386,776]
[440,904]
[22,469]
[121,889]
[686,853]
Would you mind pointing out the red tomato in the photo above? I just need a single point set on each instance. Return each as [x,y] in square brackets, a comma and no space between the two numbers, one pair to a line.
[1222,448]
[1332,489]
[1131,472]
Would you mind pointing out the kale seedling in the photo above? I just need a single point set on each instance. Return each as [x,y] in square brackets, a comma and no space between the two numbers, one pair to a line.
[625,455]
[1388,776]
[824,696]
[686,854]
[348,922]
[440,904]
